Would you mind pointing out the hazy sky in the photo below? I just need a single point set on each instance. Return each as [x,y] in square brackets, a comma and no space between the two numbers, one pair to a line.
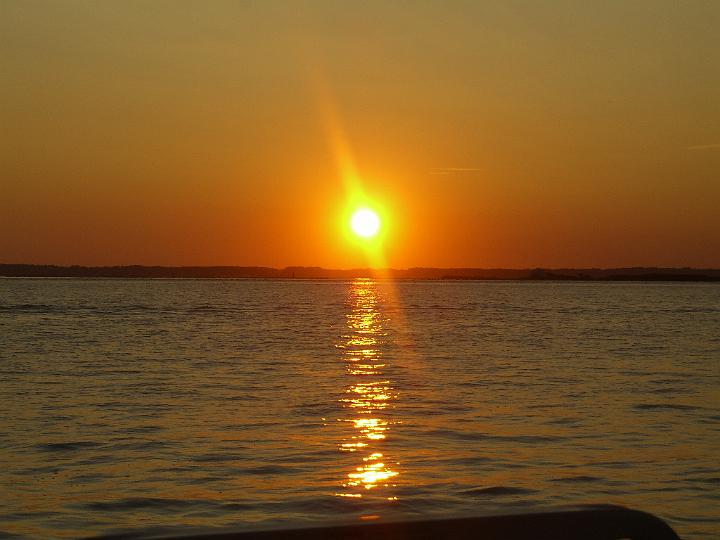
[495,134]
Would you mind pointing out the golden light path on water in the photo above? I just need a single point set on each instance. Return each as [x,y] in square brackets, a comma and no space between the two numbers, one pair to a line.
[369,395]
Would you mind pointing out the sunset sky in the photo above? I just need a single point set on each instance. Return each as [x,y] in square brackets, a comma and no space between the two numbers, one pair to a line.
[488,134]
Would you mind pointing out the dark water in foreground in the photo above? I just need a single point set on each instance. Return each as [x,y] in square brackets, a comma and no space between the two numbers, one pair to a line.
[151,404]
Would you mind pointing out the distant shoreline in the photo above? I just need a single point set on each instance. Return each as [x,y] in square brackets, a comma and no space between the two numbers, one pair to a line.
[305,272]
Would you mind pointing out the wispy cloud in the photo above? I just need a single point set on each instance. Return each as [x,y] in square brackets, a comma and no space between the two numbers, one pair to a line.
[453,170]
[704,146]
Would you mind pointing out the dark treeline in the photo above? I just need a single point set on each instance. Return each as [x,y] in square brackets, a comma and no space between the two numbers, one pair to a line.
[309,272]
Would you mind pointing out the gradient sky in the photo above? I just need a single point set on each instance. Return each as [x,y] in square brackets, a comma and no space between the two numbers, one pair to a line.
[494,134]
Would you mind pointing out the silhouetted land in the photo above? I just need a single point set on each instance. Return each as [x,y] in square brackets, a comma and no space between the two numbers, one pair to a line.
[309,272]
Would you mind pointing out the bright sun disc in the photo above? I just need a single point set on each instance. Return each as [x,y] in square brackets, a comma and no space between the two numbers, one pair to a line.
[365,223]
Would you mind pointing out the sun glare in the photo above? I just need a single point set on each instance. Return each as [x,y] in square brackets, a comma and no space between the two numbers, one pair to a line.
[365,223]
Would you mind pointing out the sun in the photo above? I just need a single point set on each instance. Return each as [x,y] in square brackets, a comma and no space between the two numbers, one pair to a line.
[365,222]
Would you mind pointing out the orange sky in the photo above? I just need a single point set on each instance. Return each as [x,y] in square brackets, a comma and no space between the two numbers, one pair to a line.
[494,134]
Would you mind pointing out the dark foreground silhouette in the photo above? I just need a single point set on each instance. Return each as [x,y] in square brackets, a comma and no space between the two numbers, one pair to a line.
[585,523]
[312,272]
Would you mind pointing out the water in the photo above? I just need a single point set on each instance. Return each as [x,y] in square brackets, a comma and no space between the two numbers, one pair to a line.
[157,406]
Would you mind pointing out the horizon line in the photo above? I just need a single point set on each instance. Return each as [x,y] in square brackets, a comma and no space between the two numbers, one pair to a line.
[358,268]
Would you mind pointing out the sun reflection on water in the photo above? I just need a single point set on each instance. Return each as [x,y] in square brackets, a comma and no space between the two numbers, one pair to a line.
[368,396]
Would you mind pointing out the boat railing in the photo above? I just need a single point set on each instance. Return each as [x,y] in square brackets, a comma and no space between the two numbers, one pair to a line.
[576,523]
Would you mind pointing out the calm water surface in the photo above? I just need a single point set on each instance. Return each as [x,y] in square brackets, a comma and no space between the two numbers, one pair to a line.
[155,405]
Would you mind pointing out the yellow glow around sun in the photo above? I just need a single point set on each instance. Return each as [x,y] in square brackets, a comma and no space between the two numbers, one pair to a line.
[365,223]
